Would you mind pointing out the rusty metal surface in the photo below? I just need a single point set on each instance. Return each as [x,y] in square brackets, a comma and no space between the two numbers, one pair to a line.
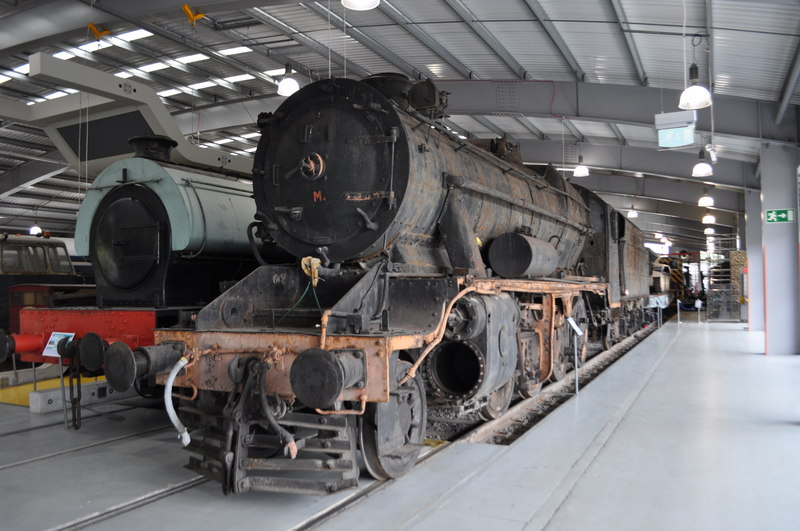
[210,353]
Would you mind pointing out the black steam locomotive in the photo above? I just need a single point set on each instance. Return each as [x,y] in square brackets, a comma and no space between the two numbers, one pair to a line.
[430,271]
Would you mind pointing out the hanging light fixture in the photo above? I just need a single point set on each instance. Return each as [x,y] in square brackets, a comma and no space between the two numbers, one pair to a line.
[361,5]
[705,200]
[702,168]
[35,230]
[709,230]
[709,219]
[658,235]
[694,96]
[288,84]
[580,170]
[632,213]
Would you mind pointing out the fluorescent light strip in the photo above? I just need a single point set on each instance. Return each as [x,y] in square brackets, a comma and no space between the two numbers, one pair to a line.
[23,69]
[134,35]
[152,67]
[250,135]
[168,93]
[124,75]
[250,150]
[242,77]
[204,84]
[191,58]
[234,51]
[3,78]
[54,95]
[63,55]
[223,141]
[95,46]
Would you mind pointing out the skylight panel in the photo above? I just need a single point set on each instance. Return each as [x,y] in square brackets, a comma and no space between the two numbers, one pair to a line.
[202,85]
[134,35]
[191,58]
[237,50]
[241,77]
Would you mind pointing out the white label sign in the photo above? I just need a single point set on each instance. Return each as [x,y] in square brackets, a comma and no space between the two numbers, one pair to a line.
[575,326]
[51,349]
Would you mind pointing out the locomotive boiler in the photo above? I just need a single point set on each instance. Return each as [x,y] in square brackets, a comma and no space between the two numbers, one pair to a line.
[161,238]
[428,270]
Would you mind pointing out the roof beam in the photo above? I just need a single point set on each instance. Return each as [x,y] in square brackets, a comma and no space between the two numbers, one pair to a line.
[422,36]
[675,211]
[367,41]
[625,27]
[685,192]
[61,19]
[620,137]
[669,164]
[28,174]
[532,128]
[297,35]
[789,86]
[557,39]
[179,38]
[621,104]
[488,37]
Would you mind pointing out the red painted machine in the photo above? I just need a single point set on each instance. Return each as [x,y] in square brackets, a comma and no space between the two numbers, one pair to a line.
[94,329]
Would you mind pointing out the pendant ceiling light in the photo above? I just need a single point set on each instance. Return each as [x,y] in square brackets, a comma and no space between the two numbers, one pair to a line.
[288,84]
[705,201]
[35,230]
[702,168]
[580,170]
[658,235]
[632,214]
[694,96]
[708,231]
[361,5]
[709,219]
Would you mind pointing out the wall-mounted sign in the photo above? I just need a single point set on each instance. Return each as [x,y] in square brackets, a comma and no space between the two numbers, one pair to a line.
[782,215]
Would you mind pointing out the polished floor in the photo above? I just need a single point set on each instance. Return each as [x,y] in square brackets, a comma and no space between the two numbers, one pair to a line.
[693,429]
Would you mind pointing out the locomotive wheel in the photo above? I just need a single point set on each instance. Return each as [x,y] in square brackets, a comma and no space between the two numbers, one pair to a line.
[392,432]
[565,357]
[607,340]
[499,401]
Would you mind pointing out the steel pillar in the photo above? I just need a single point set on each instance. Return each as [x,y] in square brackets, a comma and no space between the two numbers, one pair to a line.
[779,243]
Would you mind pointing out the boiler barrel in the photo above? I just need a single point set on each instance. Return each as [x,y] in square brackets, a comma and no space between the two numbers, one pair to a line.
[339,168]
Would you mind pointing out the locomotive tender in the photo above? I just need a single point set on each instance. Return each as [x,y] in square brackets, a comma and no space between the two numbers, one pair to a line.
[430,270]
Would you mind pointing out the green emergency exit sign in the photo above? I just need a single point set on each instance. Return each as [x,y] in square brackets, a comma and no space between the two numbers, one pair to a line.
[784,215]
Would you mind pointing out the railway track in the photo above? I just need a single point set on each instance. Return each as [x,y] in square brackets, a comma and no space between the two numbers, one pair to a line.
[520,418]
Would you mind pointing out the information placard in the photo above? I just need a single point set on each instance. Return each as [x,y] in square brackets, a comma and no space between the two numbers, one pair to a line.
[51,349]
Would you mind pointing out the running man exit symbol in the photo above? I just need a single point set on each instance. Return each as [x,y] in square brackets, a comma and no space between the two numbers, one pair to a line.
[780,215]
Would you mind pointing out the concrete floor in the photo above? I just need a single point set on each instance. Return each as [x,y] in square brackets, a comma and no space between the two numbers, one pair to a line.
[693,429]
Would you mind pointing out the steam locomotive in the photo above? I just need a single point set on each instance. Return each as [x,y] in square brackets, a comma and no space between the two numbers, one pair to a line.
[161,238]
[428,270]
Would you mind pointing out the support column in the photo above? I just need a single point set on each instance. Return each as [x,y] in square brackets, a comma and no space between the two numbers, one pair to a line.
[755,260]
[780,248]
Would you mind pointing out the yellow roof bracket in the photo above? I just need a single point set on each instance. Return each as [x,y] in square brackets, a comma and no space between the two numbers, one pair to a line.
[97,32]
[191,15]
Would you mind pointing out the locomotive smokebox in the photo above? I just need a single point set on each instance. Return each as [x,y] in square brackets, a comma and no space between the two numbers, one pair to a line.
[318,376]
[514,255]
[123,365]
